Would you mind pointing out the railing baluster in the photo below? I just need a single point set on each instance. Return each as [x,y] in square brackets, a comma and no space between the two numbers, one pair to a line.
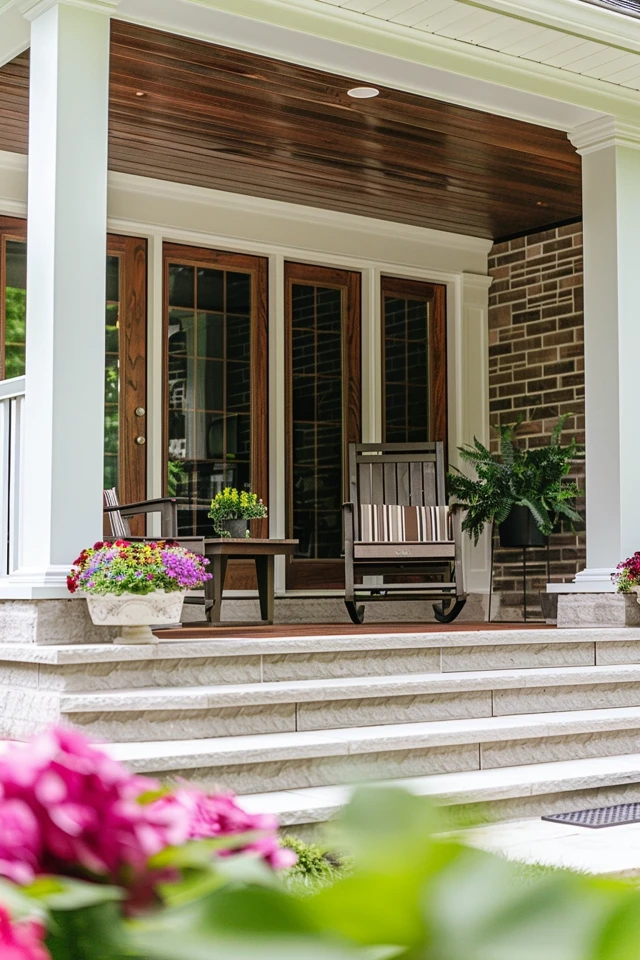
[11,426]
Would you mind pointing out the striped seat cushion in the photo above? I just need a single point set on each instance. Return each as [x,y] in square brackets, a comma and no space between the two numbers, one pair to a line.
[388,523]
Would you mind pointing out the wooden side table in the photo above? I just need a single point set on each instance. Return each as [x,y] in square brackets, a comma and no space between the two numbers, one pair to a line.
[263,553]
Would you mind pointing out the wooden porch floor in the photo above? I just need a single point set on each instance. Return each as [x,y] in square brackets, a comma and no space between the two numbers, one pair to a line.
[339,629]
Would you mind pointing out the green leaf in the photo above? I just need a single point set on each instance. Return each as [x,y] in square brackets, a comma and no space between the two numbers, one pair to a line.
[620,938]
[62,893]
[199,854]
[18,902]
[540,515]
[385,827]
[192,946]
[480,910]
[91,933]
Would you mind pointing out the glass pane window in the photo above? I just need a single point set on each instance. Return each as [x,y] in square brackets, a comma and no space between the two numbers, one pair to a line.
[407,374]
[112,375]
[14,309]
[209,387]
[317,431]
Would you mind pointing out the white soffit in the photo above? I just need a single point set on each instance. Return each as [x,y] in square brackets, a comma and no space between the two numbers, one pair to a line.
[568,34]
[14,32]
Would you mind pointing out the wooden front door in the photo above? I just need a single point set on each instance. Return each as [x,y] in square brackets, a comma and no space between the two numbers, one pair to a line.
[216,365]
[125,415]
[323,410]
[125,348]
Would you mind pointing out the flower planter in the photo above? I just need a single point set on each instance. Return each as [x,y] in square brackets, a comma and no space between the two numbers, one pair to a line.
[236,529]
[135,613]
[521,530]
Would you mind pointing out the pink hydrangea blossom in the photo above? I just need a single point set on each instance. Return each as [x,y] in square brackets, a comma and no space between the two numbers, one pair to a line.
[67,807]
[219,815]
[21,941]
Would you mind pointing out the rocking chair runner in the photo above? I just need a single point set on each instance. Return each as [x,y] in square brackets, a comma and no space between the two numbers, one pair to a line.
[398,523]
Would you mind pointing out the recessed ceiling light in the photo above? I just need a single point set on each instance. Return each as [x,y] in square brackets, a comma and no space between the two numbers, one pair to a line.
[363,93]
[542,203]
[140,93]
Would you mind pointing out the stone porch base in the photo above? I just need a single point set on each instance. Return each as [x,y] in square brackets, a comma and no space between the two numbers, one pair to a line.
[597,610]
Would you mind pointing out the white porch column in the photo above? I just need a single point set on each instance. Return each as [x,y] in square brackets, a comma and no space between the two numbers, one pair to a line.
[469,399]
[611,211]
[63,442]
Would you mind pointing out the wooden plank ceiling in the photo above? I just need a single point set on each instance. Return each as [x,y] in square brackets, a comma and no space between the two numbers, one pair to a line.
[190,112]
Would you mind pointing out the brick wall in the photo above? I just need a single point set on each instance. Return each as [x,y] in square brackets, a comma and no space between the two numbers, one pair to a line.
[537,373]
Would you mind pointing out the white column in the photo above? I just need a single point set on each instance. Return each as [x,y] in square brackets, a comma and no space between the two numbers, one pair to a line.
[63,442]
[611,211]
[468,336]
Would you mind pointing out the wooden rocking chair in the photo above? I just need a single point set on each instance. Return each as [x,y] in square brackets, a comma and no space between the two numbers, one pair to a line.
[398,523]
[120,514]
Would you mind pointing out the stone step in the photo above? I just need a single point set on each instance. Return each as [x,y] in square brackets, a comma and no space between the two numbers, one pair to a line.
[512,792]
[284,761]
[277,707]
[83,668]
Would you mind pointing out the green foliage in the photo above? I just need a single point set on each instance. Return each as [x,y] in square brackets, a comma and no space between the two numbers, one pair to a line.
[15,331]
[534,477]
[316,868]
[232,504]
[408,895]
[176,473]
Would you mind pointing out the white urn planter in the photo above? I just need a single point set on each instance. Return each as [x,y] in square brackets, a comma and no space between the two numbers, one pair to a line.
[136,614]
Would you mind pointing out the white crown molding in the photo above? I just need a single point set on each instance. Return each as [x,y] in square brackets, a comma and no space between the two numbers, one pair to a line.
[32,9]
[605,132]
[167,190]
[476,281]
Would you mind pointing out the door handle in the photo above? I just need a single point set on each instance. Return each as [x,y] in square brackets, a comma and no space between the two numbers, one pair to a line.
[141,441]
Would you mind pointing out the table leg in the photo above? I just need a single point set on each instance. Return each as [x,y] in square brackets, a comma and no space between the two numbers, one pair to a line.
[266,587]
[213,589]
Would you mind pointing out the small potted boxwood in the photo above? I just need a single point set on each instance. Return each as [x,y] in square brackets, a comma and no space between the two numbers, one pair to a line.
[524,490]
[231,511]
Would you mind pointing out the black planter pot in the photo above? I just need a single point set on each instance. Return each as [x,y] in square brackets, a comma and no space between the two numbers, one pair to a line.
[236,529]
[521,530]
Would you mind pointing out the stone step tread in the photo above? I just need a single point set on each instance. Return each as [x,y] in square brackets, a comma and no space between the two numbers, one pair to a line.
[317,804]
[156,757]
[264,646]
[348,688]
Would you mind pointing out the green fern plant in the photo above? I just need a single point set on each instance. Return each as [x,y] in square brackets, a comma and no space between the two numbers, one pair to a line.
[534,477]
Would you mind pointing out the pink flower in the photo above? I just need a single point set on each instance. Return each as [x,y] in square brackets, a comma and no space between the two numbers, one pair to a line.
[219,815]
[70,808]
[21,941]
[20,841]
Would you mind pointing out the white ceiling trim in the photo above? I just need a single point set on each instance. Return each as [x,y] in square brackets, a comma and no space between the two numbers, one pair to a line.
[233,202]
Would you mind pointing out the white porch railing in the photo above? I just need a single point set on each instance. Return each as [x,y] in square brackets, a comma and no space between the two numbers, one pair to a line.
[11,412]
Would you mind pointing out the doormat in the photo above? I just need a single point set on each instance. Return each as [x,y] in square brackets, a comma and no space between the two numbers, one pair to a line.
[600,817]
